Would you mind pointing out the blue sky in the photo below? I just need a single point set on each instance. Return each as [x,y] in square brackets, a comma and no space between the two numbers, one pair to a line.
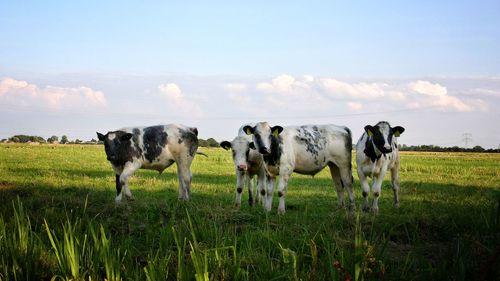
[73,68]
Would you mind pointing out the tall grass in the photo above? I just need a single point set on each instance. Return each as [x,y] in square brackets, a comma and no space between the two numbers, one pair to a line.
[58,221]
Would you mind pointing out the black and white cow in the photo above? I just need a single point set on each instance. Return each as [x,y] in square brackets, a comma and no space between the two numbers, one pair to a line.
[376,152]
[304,150]
[154,148]
[248,163]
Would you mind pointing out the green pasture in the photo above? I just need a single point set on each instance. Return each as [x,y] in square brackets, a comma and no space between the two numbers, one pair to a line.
[59,221]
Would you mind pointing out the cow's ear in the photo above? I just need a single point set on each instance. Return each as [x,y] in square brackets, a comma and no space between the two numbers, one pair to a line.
[248,129]
[126,137]
[369,130]
[226,145]
[252,145]
[100,136]
[276,130]
[397,131]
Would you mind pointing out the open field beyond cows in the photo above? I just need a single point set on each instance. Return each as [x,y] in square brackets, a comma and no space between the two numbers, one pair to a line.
[58,219]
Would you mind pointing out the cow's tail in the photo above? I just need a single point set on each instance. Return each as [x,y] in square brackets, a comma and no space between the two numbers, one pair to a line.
[201,153]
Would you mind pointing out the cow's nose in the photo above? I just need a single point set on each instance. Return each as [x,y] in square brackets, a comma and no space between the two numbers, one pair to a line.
[242,167]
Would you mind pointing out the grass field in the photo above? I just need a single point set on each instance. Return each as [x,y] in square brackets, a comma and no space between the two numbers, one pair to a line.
[59,221]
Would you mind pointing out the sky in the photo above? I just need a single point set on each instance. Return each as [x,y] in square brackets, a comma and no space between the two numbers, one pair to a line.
[74,68]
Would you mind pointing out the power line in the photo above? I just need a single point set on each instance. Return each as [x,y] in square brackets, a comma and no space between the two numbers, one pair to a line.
[466,138]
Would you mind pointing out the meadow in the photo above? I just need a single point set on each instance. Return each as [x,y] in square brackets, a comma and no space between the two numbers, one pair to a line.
[59,221]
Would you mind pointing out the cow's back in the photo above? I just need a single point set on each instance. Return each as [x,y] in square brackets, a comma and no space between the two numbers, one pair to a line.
[312,147]
[159,146]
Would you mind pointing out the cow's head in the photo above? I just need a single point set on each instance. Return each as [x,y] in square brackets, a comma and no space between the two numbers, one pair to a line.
[382,135]
[262,135]
[116,145]
[240,147]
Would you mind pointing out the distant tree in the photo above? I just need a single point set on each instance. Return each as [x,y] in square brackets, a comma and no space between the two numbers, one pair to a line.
[53,139]
[26,138]
[64,139]
[93,141]
[212,142]
[78,141]
[202,143]
[477,148]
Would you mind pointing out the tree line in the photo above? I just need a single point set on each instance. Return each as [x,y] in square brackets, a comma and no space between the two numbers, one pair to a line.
[211,142]
[64,140]
[435,148]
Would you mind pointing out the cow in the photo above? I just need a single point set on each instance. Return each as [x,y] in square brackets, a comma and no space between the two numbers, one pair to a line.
[153,148]
[376,152]
[305,150]
[247,163]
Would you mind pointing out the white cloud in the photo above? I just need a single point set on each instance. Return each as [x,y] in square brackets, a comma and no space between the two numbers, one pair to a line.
[341,89]
[19,93]
[435,95]
[235,87]
[284,84]
[355,106]
[171,91]
[428,88]
[177,102]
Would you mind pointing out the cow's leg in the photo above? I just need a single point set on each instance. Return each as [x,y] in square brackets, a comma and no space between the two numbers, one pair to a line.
[365,187]
[184,175]
[377,188]
[335,172]
[249,179]
[240,181]
[261,187]
[118,187]
[128,170]
[269,193]
[395,184]
[346,181]
[282,188]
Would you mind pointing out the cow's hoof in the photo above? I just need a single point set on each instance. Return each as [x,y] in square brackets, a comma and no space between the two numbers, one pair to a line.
[131,198]
[281,212]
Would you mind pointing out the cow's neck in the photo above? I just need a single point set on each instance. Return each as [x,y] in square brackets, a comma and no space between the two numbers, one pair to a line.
[371,151]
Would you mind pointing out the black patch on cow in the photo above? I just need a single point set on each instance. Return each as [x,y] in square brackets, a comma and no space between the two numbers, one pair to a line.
[312,139]
[370,150]
[190,139]
[120,150]
[154,139]
[118,185]
[273,158]
[258,140]
[262,192]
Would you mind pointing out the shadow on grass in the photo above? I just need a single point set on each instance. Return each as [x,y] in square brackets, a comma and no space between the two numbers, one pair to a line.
[438,225]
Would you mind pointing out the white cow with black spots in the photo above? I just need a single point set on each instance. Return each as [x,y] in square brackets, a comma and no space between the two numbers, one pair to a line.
[248,163]
[154,148]
[376,152]
[304,150]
